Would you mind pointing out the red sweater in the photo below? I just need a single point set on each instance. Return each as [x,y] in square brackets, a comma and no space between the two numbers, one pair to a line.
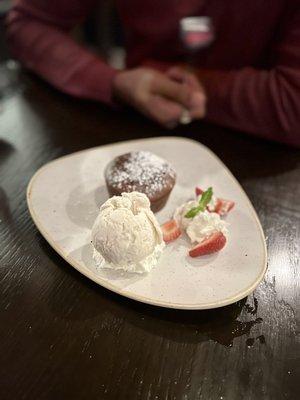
[251,72]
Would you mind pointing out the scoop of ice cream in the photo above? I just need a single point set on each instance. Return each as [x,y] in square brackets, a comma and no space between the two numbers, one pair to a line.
[202,225]
[126,234]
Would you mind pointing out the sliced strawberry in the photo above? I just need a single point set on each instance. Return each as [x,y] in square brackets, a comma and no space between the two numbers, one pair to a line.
[198,191]
[224,206]
[212,244]
[170,231]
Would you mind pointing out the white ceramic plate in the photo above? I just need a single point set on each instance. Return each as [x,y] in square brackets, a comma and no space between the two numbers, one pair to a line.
[64,197]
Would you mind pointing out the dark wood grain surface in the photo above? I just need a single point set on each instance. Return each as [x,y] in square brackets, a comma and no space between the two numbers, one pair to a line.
[64,337]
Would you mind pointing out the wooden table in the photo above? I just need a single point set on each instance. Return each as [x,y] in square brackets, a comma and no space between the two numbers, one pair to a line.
[64,337]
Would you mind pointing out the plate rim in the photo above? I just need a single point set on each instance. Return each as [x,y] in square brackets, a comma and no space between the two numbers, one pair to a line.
[89,274]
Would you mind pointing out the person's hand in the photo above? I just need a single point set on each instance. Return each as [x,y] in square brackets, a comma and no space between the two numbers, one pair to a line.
[185,76]
[161,97]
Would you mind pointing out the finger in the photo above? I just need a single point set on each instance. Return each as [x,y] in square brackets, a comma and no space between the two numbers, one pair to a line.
[180,75]
[198,98]
[198,105]
[164,111]
[177,92]
[176,73]
[193,81]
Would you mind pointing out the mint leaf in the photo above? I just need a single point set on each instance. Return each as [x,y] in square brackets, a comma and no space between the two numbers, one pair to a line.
[203,202]
[205,198]
[192,212]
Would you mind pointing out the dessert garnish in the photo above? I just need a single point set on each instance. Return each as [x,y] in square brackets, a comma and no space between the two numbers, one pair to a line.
[201,220]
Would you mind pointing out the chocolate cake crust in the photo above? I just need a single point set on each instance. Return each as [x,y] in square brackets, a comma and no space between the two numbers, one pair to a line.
[144,172]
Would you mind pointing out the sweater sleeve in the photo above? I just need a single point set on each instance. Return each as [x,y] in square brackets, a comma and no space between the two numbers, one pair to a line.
[38,36]
[265,103]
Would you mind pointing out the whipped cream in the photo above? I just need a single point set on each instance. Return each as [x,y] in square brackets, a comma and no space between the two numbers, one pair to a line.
[126,234]
[212,204]
[202,225]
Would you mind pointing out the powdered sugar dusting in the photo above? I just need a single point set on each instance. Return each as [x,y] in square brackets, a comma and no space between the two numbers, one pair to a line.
[140,171]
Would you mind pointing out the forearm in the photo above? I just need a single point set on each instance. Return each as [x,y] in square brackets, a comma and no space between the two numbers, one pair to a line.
[264,103]
[51,53]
